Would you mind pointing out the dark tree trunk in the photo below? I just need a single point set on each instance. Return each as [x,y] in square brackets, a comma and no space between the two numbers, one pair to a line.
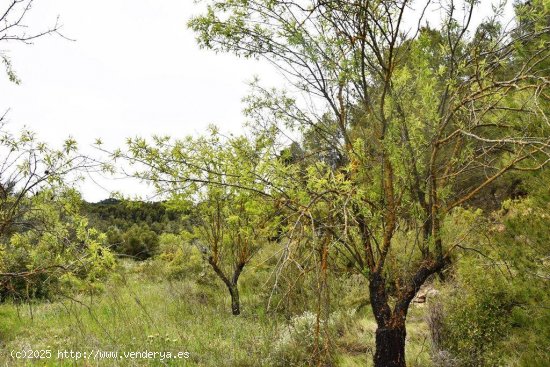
[234,289]
[231,284]
[390,347]
[235,303]
[391,331]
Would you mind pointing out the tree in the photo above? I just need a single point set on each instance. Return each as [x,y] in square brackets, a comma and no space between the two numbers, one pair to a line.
[223,184]
[139,242]
[28,164]
[51,249]
[426,119]
[14,29]
[28,167]
[39,213]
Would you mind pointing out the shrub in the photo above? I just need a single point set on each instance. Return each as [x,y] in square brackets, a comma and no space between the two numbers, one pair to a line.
[139,242]
[494,309]
[180,259]
[477,318]
[56,252]
[295,343]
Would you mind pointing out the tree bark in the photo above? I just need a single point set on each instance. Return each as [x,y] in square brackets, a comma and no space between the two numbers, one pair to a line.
[391,331]
[390,346]
[235,303]
[231,284]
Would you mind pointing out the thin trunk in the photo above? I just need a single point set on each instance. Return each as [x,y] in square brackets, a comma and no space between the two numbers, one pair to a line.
[230,284]
[235,303]
[234,289]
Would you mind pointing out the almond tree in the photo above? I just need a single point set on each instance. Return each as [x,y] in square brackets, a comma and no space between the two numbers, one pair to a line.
[223,184]
[43,237]
[39,209]
[413,121]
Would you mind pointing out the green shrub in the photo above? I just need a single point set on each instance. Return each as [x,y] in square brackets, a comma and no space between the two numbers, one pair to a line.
[139,242]
[297,342]
[496,310]
[180,258]
[477,318]
[58,252]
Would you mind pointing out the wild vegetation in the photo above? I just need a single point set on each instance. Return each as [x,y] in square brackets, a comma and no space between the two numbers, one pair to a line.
[398,215]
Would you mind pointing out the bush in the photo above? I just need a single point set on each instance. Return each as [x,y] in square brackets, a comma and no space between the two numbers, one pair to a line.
[57,252]
[496,310]
[139,241]
[295,344]
[180,259]
[477,319]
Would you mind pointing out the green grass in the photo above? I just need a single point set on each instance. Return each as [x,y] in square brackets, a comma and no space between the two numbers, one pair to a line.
[137,312]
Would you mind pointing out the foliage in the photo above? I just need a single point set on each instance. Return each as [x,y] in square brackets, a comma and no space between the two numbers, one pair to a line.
[182,260]
[56,253]
[139,242]
[46,246]
[500,316]
[478,318]
[415,148]
[133,228]
[221,182]
[124,214]
[402,126]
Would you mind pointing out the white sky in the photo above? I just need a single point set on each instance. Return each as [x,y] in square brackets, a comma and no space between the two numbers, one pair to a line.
[133,69]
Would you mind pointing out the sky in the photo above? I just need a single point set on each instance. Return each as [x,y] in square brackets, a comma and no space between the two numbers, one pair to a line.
[133,68]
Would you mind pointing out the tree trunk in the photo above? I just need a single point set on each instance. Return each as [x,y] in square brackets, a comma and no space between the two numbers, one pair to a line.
[390,347]
[391,331]
[231,284]
[235,303]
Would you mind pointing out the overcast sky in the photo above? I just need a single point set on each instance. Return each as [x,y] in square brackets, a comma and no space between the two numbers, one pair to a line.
[133,69]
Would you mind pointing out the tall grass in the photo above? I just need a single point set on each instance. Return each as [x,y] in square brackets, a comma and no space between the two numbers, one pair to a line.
[140,311]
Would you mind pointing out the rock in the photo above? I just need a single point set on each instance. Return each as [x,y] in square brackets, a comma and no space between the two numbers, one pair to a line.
[425,292]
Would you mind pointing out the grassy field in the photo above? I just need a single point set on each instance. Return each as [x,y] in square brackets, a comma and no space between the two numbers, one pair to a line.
[139,312]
